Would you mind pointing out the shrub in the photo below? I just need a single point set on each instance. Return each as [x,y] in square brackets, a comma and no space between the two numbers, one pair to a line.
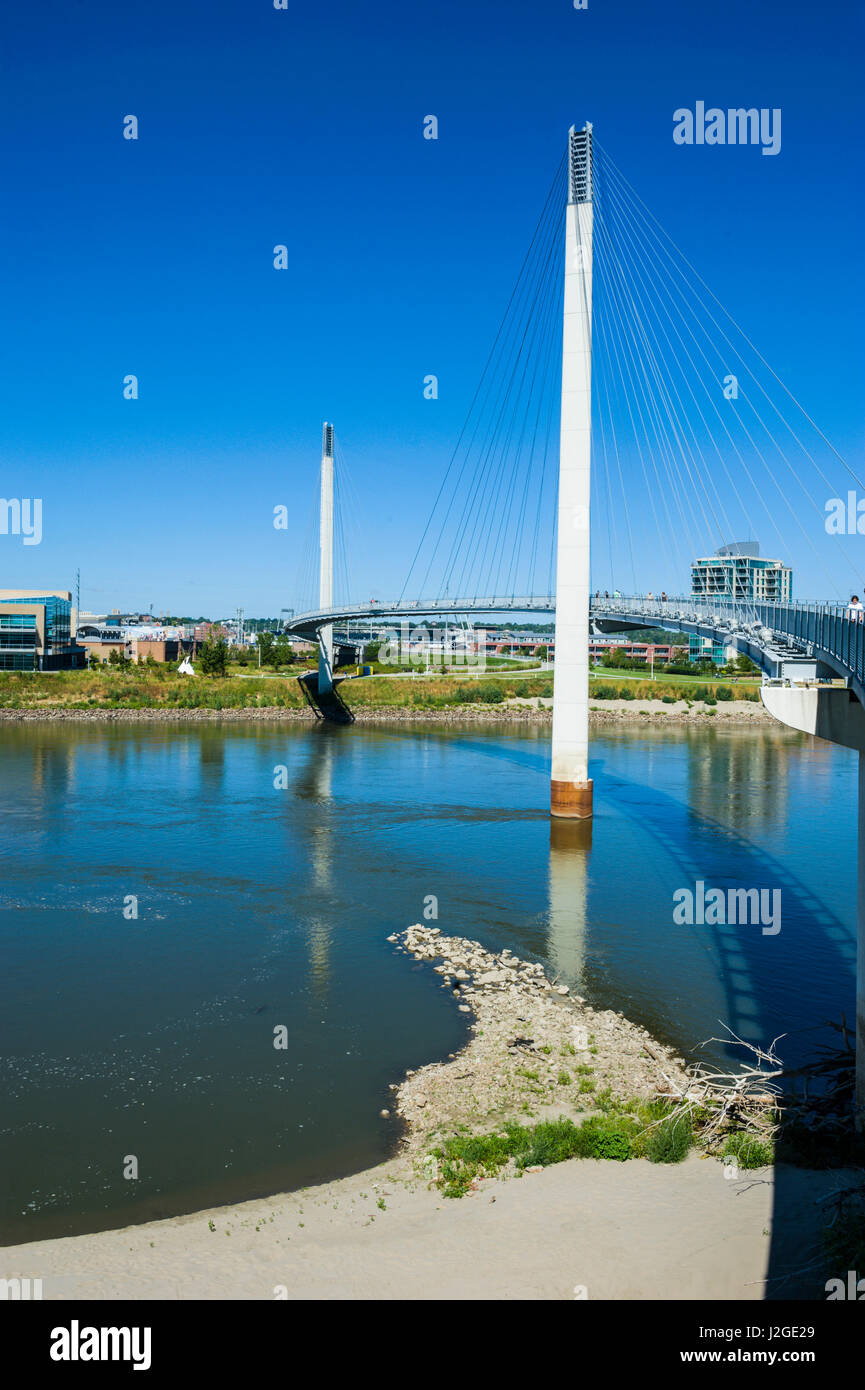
[491,693]
[670,1142]
[748,1150]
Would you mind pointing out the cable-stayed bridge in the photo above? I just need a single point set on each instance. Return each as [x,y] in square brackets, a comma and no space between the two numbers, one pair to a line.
[792,641]
[674,435]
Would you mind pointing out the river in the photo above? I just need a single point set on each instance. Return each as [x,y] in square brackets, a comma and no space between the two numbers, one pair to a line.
[172,896]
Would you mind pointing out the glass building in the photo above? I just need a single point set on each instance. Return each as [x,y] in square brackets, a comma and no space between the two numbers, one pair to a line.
[705,649]
[35,632]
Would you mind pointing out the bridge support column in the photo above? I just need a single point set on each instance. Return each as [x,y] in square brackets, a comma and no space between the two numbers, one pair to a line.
[571,787]
[325,572]
[837,716]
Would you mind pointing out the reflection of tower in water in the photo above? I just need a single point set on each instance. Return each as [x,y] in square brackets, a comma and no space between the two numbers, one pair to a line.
[317,785]
[570,844]
[54,763]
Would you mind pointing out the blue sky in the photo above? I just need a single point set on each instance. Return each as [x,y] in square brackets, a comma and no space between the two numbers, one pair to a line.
[304,127]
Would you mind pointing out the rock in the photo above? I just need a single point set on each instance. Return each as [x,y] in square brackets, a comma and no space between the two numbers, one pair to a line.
[384,1114]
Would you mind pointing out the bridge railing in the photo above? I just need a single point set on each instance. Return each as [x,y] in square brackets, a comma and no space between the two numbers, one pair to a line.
[829,627]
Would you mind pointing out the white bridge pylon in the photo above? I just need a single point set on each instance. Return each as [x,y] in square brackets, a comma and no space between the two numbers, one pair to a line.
[325,568]
[571,786]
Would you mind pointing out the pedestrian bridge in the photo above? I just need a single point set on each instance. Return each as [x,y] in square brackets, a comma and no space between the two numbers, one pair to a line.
[788,641]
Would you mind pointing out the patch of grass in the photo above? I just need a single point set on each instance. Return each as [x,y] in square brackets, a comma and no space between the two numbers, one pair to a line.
[749,1151]
[670,1141]
[564,1078]
[463,1159]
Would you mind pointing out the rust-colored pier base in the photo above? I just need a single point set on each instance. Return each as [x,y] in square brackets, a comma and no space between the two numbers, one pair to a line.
[571,800]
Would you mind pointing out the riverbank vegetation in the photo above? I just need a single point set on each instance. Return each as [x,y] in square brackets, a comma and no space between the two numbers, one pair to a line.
[149,686]
[632,1130]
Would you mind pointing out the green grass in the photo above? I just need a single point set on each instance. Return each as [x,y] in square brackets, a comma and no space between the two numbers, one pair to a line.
[625,1132]
[144,687]
[149,687]
[749,1151]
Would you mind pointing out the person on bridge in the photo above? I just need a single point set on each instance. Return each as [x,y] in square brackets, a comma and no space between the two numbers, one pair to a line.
[663,597]
[855,609]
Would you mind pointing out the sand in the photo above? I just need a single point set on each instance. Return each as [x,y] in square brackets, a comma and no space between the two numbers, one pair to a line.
[621,1231]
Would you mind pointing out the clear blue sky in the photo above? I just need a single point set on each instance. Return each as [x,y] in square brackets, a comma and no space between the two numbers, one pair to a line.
[304,127]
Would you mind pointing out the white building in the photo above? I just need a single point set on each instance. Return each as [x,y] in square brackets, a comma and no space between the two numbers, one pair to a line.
[738,571]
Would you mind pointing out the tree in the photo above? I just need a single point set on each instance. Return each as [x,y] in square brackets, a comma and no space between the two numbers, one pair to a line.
[266,643]
[745,666]
[213,656]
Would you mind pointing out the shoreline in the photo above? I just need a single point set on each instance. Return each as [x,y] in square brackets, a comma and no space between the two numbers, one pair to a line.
[611,711]
[619,1230]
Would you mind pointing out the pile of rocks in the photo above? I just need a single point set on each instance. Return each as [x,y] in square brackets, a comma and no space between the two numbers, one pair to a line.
[536,1049]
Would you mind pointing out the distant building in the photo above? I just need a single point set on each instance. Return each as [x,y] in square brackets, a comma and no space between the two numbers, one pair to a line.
[707,649]
[738,571]
[35,631]
[135,642]
[215,630]
[652,653]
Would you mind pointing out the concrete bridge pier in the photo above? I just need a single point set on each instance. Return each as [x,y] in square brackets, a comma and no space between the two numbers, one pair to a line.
[836,715]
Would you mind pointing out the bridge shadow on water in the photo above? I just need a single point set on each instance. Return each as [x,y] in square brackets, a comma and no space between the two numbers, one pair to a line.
[755,976]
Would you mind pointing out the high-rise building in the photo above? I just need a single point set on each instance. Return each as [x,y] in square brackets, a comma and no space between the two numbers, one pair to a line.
[738,571]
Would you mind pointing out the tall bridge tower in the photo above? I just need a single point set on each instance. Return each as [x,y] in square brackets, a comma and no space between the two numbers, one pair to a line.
[571,790]
[325,568]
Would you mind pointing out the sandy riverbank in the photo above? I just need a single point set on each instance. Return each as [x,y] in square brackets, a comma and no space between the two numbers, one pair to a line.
[620,1230]
[631,1230]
